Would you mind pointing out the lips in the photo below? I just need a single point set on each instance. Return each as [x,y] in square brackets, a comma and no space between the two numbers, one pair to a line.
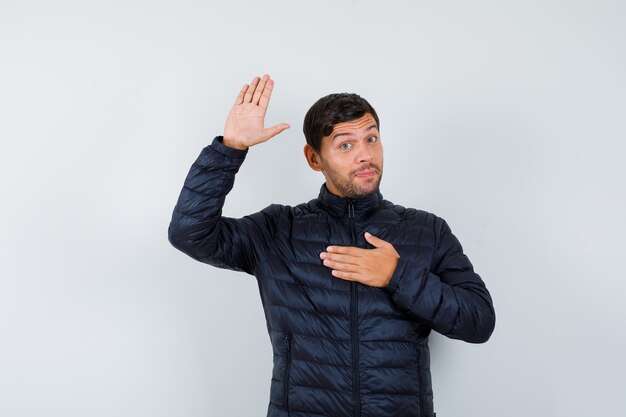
[366,174]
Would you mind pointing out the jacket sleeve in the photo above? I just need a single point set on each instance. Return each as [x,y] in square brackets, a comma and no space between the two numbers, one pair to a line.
[197,227]
[449,297]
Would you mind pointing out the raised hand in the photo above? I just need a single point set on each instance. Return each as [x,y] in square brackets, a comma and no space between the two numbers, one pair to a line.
[373,267]
[245,125]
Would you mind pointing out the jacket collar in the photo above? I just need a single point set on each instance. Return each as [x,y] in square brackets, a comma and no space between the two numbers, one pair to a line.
[341,206]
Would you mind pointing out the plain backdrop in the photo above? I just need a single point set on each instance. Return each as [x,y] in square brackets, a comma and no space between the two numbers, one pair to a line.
[506,118]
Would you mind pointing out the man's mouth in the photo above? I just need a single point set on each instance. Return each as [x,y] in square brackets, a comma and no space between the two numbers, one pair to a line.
[368,173]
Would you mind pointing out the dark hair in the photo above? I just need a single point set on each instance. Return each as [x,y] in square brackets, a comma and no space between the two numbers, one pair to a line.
[330,110]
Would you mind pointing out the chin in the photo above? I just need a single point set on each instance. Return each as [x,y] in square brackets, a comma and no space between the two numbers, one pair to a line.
[364,192]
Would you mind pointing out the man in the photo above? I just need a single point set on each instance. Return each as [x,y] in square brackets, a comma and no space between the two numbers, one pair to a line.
[351,284]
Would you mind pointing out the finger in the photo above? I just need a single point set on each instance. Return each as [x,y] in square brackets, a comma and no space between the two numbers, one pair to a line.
[250,91]
[348,276]
[375,241]
[239,98]
[270,132]
[338,266]
[346,259]
[264,100]
[350,250]
[259,89]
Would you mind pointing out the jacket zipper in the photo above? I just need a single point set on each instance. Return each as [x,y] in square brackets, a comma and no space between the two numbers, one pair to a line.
[287,370]
[354,326]
[420,389]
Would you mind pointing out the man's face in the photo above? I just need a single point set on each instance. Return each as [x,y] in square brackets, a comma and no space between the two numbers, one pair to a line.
[351,158]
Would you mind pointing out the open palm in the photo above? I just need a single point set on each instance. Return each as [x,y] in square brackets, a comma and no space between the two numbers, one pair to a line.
[245,125]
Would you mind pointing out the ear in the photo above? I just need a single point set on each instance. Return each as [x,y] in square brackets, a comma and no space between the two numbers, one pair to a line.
[313,158]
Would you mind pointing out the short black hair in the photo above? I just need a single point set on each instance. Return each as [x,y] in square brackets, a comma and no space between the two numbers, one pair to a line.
[330,110]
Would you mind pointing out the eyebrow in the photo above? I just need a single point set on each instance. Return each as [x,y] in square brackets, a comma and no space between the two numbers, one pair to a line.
[336,135]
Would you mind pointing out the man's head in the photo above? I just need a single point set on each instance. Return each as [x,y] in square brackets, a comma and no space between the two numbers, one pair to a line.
[330,110]
[343,142]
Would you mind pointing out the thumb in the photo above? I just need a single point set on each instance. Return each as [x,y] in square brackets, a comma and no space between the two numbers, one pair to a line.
[374,241]
[270,132]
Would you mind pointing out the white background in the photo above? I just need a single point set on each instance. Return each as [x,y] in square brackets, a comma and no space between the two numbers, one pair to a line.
[506,118]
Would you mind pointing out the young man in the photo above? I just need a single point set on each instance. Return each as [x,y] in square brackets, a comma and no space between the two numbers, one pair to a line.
[351,284]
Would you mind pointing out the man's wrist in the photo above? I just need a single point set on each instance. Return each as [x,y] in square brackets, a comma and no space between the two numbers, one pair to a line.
[231,143]
[233,153]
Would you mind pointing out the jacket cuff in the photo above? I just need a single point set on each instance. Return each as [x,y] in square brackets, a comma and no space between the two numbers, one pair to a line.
[218,146]
[398,273]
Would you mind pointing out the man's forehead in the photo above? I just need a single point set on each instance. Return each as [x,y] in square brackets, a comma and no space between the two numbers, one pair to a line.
[365,122]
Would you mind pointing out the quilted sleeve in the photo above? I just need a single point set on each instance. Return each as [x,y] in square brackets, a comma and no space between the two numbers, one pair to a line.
[449,297]
[198,228]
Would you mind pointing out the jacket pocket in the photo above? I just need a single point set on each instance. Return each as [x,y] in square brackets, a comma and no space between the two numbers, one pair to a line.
[424,382]
[287,370]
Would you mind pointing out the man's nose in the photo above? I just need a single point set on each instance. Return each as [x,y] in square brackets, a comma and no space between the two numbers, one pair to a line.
[364,155]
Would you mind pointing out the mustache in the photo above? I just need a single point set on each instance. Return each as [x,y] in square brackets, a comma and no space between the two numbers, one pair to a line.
[369,167]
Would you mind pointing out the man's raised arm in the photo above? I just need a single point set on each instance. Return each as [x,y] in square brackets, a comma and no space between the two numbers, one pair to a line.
[197,227]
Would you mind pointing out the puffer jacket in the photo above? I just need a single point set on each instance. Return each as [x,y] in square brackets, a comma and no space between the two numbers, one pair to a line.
[340,348]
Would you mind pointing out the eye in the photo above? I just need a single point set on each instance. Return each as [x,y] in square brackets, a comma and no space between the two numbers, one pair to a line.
[345,146]
[372,139]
